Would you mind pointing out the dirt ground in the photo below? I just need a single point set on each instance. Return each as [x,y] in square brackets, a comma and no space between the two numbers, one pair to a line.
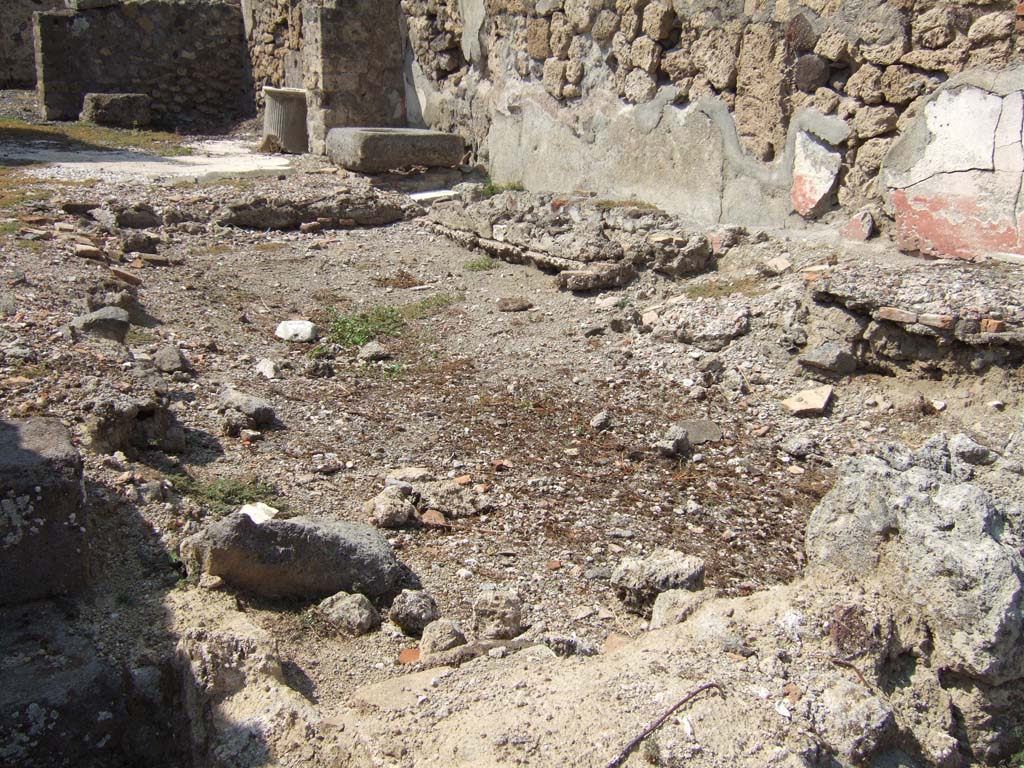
[502,401]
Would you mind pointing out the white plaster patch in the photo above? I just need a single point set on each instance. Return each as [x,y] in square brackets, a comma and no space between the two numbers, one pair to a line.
[962,124]
[1010,121]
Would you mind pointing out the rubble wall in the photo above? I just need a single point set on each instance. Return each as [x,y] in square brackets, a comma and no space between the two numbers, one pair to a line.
[273,29]
[350,58]
[188,55]
[694,105]
[17,60]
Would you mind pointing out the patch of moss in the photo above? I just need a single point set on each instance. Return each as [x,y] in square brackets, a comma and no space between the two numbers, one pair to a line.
[480,264]
[226,494]
[717,289]
[90,136]
[491,189]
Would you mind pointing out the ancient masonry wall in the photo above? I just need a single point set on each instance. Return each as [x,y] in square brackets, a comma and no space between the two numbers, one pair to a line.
[273,29]
[349,56]
[188,55]
[528,81]
[17,61]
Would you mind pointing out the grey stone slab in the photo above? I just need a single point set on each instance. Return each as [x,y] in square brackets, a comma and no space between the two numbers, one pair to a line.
[375,150]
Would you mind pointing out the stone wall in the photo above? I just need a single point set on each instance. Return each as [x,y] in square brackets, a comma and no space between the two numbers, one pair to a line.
[188,55]
[349,56]
[17,60]
[953,179]
[273,29]
[714,92]
[360,82]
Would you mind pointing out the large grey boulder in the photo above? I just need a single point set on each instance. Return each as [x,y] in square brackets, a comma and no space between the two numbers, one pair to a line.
[376,150]
[300,558]
[943,550]
[43,545]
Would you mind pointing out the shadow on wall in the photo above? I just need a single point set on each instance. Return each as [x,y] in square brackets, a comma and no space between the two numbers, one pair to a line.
[89,675]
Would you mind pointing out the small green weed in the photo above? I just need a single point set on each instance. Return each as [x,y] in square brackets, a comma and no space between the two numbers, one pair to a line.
[356,330]
[138,335]
[607,205]
[391,371]
[313,621]
[717,289]
[652,751]
[225,494]
[430,306]
[481,264]
[491,189]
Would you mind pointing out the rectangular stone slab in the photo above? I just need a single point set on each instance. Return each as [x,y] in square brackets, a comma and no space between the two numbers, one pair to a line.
[43,550]
[376,150]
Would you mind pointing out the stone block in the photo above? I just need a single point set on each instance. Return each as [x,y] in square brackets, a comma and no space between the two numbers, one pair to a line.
[605,27]
[861,226]
[815,168]
[376,150]
[810,72]
[658,20]
[296,558]
[639,581]
[121,110]
[809,402]
[869,122]
[895,315]
[645,54]
[43,548]
[554,77]
[537,32]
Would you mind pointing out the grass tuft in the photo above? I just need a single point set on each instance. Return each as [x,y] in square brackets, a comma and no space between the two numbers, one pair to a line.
[491,189]
[226,494]
[480,264]
[359,329]
[430,306]
[717,289]
[90,136]
[378,322]
[607,205]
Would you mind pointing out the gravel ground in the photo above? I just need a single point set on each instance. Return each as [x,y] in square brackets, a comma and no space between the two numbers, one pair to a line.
[500,402]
